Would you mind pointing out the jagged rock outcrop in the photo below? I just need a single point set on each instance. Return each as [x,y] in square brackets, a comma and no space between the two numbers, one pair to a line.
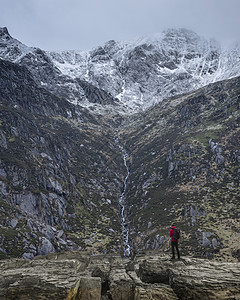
[77,275]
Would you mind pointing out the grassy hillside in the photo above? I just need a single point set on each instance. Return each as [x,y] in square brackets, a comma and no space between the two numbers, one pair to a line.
[185,168]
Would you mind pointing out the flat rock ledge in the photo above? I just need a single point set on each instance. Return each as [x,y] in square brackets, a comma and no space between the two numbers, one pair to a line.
[78,275]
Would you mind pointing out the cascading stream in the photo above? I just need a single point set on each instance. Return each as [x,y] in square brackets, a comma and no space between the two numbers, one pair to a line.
[124,225]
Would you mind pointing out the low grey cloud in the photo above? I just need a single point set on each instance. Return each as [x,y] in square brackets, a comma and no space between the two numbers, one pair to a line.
[83,24]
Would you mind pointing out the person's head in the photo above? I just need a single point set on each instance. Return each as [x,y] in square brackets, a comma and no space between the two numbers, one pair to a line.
[173,225]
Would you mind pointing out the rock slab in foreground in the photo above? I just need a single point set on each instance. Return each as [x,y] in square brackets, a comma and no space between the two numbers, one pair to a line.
[79,276]
[193,278]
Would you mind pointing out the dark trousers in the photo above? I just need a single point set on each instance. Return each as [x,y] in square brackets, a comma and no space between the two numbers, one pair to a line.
[175,245]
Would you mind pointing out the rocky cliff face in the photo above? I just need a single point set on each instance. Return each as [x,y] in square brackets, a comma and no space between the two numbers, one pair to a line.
[54,171]
[64,164]
[149,276]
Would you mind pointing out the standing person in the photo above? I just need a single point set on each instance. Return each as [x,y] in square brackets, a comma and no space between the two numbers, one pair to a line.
[174,235]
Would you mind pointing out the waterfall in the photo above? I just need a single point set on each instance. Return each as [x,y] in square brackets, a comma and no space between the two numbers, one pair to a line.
[124,225]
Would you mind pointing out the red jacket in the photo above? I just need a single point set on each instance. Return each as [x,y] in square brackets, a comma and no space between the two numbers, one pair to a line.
[171,234]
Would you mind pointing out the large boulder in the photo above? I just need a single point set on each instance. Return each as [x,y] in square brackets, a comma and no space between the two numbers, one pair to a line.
[192,278]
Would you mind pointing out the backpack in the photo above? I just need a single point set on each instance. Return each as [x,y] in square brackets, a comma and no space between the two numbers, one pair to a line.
[176,233]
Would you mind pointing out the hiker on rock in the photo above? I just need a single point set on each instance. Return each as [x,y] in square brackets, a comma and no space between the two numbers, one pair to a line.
[174,235]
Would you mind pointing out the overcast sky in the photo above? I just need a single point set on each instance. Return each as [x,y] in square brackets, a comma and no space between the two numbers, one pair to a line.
[84,24]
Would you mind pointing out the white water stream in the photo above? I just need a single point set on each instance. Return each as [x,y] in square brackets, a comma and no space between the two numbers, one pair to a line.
[121,200]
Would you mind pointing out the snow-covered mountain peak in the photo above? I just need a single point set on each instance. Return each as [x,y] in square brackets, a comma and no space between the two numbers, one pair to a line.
[11,49]
[4,34]
[145,70]
[168,35]
[138,73]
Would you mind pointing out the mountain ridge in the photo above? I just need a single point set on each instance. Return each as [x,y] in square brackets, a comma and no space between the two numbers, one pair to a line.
[150,63]
[64,166]
[135,74]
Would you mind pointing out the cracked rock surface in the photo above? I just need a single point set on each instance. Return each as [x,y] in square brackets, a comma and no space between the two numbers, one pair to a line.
[77,275]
